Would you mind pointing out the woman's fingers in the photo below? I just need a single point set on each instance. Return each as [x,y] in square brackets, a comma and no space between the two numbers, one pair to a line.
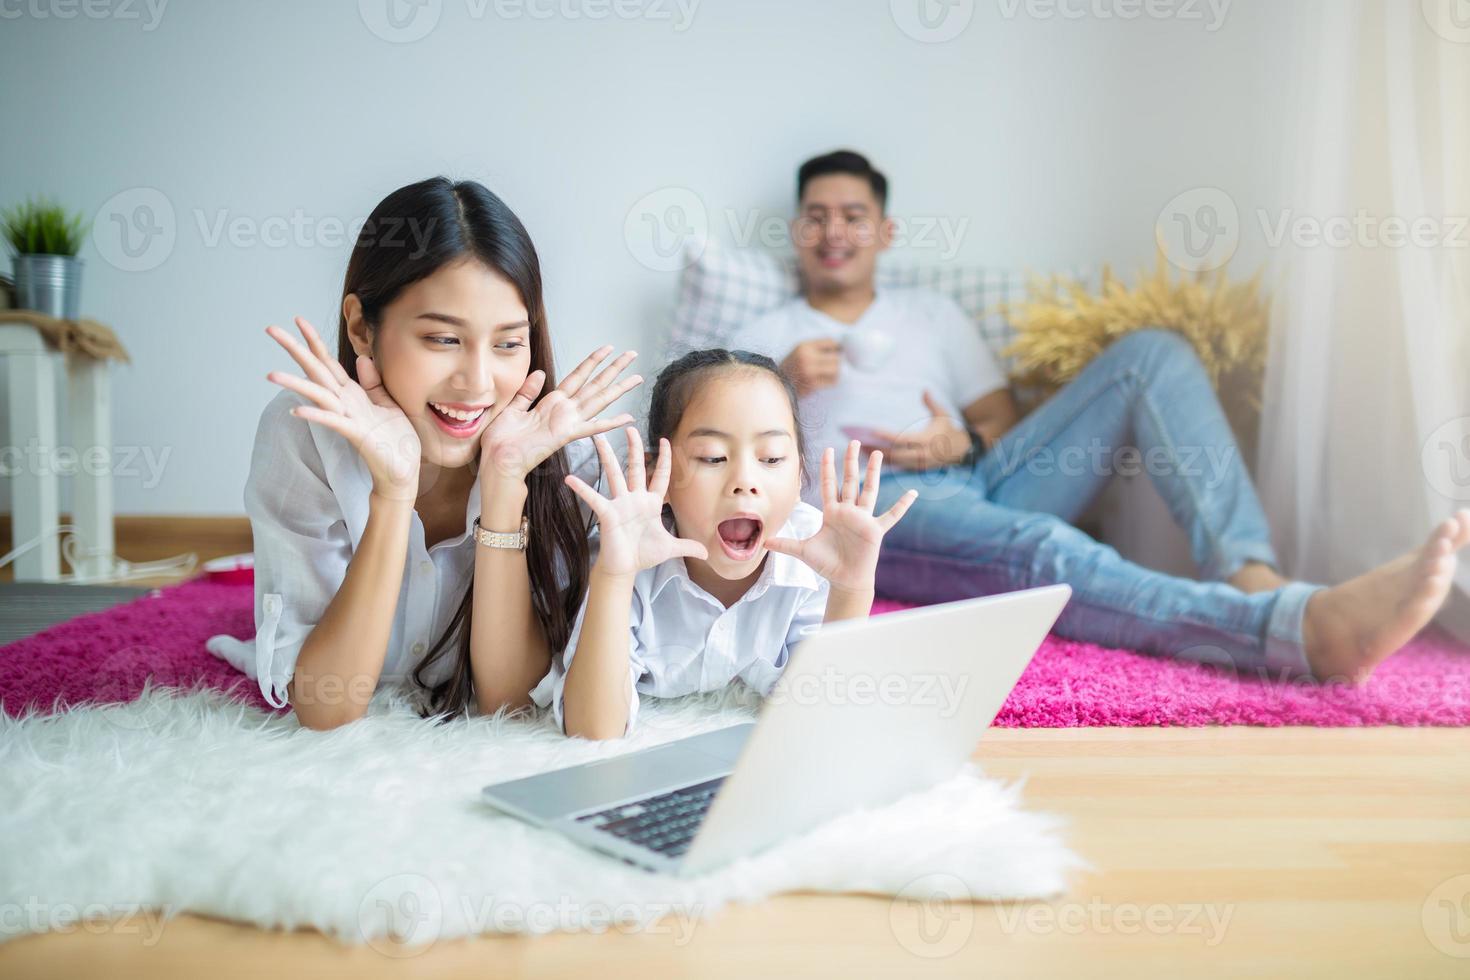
[339,424]
[314,392]
[637,480]
[661,469]
[314,368]
[850,473]
[314,341]
[573,382]
[895,513]
[869,497]
[607,374]
[610,466]
[594,426]
[530,388]
[591,402]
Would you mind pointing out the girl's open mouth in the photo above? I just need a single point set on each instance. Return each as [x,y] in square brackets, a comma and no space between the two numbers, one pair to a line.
[458,422]
[740,537]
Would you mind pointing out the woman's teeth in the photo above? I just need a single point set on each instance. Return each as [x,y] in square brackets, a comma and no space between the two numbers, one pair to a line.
[456,414]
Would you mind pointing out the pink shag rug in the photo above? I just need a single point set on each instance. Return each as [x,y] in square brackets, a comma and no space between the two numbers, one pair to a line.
[106,657]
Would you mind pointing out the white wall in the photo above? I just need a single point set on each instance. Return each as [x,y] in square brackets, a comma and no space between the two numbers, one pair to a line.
[1057,138]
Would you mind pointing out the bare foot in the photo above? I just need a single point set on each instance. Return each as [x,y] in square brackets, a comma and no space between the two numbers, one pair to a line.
[1351,628]
[1255,576]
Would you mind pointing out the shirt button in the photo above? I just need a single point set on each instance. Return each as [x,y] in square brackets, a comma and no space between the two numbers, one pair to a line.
[427,567]
[418,649]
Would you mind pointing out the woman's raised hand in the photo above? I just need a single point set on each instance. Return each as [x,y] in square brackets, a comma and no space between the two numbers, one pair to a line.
[845,550]
[361,411]
[527,431]
[630,522]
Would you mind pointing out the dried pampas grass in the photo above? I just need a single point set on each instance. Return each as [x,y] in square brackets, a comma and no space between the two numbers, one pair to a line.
[1061,327]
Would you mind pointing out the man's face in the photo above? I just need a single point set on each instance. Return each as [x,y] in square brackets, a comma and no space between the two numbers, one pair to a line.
[838,233]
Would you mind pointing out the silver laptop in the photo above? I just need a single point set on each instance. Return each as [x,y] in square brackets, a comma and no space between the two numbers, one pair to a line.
[865,712]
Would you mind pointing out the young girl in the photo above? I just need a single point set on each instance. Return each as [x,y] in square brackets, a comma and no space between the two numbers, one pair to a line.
[406,496]
[746,569]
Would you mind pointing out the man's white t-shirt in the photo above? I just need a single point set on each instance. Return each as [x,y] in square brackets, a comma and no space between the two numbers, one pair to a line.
[907,342]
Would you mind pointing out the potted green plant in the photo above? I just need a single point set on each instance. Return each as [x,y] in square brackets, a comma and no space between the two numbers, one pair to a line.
[48,274]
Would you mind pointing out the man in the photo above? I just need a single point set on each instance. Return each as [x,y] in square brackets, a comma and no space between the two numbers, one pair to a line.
[905,371]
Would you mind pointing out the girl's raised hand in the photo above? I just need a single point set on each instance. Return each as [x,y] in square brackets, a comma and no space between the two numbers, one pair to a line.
[631,520]
[361,411]
[523,435]
[845,550]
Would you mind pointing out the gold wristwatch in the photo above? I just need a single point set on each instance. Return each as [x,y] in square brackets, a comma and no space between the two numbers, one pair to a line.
[514,540]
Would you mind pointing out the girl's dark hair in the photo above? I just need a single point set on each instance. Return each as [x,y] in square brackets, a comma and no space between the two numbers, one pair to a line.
[678,382]
[411,234]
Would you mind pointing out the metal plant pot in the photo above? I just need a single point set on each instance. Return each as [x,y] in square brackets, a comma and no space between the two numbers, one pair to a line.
[50,284]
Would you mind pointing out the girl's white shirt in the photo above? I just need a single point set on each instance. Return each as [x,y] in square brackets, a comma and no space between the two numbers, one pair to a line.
[307,499]
[683,640]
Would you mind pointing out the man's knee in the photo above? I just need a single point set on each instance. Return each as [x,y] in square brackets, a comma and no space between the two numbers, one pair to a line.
[1154,344]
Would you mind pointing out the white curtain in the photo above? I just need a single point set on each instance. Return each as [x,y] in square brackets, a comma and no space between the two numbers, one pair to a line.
[1365,437]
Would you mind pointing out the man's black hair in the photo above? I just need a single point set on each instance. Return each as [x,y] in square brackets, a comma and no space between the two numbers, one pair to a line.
[843,162]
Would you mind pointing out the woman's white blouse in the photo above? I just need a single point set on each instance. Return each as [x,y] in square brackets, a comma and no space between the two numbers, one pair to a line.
[683,640]
[307,498]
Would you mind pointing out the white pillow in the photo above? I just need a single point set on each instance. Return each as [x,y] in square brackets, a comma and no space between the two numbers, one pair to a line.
[723,289]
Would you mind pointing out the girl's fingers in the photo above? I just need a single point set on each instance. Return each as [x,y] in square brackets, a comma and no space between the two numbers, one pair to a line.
[661,468]
[316,393]
[573,382]
[526,397]
[610,466]
[315,369]
[850,472]
[829,477]
[314,341]
[895,513]
[637,479]
[339,424]
[786,546]
[868,499]
[690,549]
[596,501]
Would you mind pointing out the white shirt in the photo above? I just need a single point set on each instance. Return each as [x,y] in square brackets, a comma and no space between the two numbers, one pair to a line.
[683,640]
[307,498]
[908,341]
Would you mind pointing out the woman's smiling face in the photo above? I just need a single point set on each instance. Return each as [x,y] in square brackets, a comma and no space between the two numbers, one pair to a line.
[452,349]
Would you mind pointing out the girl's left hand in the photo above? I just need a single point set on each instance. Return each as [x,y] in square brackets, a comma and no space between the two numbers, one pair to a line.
[845,550]
[528,431]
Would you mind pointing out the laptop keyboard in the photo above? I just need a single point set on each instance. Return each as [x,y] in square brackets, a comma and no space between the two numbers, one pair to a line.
[665,823]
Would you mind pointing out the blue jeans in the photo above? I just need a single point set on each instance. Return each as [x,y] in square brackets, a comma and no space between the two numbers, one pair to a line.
[1143,405]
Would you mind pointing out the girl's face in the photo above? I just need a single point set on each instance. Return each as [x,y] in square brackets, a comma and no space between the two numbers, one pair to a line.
[453,349]
[736,472]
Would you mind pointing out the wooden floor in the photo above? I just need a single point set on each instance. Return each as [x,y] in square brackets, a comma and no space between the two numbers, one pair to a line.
[1217,852]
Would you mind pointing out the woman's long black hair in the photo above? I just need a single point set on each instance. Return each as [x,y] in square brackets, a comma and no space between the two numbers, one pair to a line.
[412,233]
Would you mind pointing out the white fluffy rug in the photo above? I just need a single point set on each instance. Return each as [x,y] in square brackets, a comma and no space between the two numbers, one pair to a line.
[376,833]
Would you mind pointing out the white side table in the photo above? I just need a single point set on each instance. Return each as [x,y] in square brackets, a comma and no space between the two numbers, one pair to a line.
[29,365]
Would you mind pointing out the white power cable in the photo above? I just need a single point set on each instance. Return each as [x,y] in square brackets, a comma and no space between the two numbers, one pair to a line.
[119,569]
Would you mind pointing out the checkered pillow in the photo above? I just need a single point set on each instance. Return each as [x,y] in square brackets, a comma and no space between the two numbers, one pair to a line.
[721,290]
